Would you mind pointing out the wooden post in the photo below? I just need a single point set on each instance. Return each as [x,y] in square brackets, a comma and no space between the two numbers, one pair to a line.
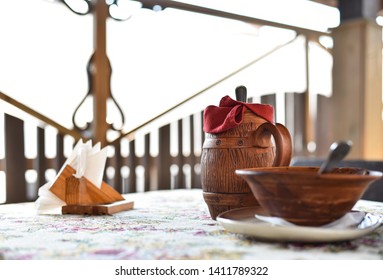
[101,81]
[357,80]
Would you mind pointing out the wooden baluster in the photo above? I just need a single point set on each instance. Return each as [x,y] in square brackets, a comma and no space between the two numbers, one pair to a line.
[180,178]
[117,184]
[15,161]
[203,133]
[41,159]
[271,100]
[202,140]
[146,162]
[192,159]
[132,164]
[164,158]
[295,104]
[60,158]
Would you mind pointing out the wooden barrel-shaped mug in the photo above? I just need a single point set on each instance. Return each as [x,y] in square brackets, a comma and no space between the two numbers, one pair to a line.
[250,144]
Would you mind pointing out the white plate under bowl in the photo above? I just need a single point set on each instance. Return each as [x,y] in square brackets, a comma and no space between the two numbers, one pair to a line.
[243,221]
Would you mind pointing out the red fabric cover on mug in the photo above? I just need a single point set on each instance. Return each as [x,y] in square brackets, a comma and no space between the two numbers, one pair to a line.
[230,112]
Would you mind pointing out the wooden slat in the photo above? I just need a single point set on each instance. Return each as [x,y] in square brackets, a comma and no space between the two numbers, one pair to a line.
[163,160]
[15,160]
[180,161]
[41,163]
[109,163]
[132,163]
[192,160]
[203,133]
[60,158]
[295,111]
[271,100]
[146,162]
[117,182]
[202,140]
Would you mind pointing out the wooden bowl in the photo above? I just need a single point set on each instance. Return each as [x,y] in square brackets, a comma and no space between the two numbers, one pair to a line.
[300,196]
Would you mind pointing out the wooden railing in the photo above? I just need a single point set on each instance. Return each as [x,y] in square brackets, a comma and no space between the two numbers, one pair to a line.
[164,169]
[129,171]
[125,169]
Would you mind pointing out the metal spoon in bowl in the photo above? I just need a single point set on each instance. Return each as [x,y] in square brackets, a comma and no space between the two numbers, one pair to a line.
[338,151]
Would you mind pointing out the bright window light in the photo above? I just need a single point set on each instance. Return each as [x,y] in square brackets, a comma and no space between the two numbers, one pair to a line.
[301,13]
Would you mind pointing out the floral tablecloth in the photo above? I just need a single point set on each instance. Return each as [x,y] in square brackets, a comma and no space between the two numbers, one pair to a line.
[163,225]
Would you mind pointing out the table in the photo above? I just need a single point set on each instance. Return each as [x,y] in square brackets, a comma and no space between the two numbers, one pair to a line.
[171,224]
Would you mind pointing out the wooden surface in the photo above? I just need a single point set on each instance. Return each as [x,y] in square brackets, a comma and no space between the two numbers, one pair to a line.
[105,209]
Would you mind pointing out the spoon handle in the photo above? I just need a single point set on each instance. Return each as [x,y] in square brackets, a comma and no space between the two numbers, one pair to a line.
[338,151]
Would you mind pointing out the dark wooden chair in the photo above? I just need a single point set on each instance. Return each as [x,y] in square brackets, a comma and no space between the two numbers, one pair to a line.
[374,191]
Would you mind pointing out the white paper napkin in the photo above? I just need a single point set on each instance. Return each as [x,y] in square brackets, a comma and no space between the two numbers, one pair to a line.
[88,161]
[348,220]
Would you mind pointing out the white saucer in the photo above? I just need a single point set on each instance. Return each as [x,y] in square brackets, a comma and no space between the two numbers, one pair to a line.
[243,221]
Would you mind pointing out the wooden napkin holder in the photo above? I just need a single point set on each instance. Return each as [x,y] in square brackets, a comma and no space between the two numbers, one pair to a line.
[83,197]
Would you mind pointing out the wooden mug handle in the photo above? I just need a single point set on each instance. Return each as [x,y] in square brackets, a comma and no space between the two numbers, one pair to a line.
[282,138]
